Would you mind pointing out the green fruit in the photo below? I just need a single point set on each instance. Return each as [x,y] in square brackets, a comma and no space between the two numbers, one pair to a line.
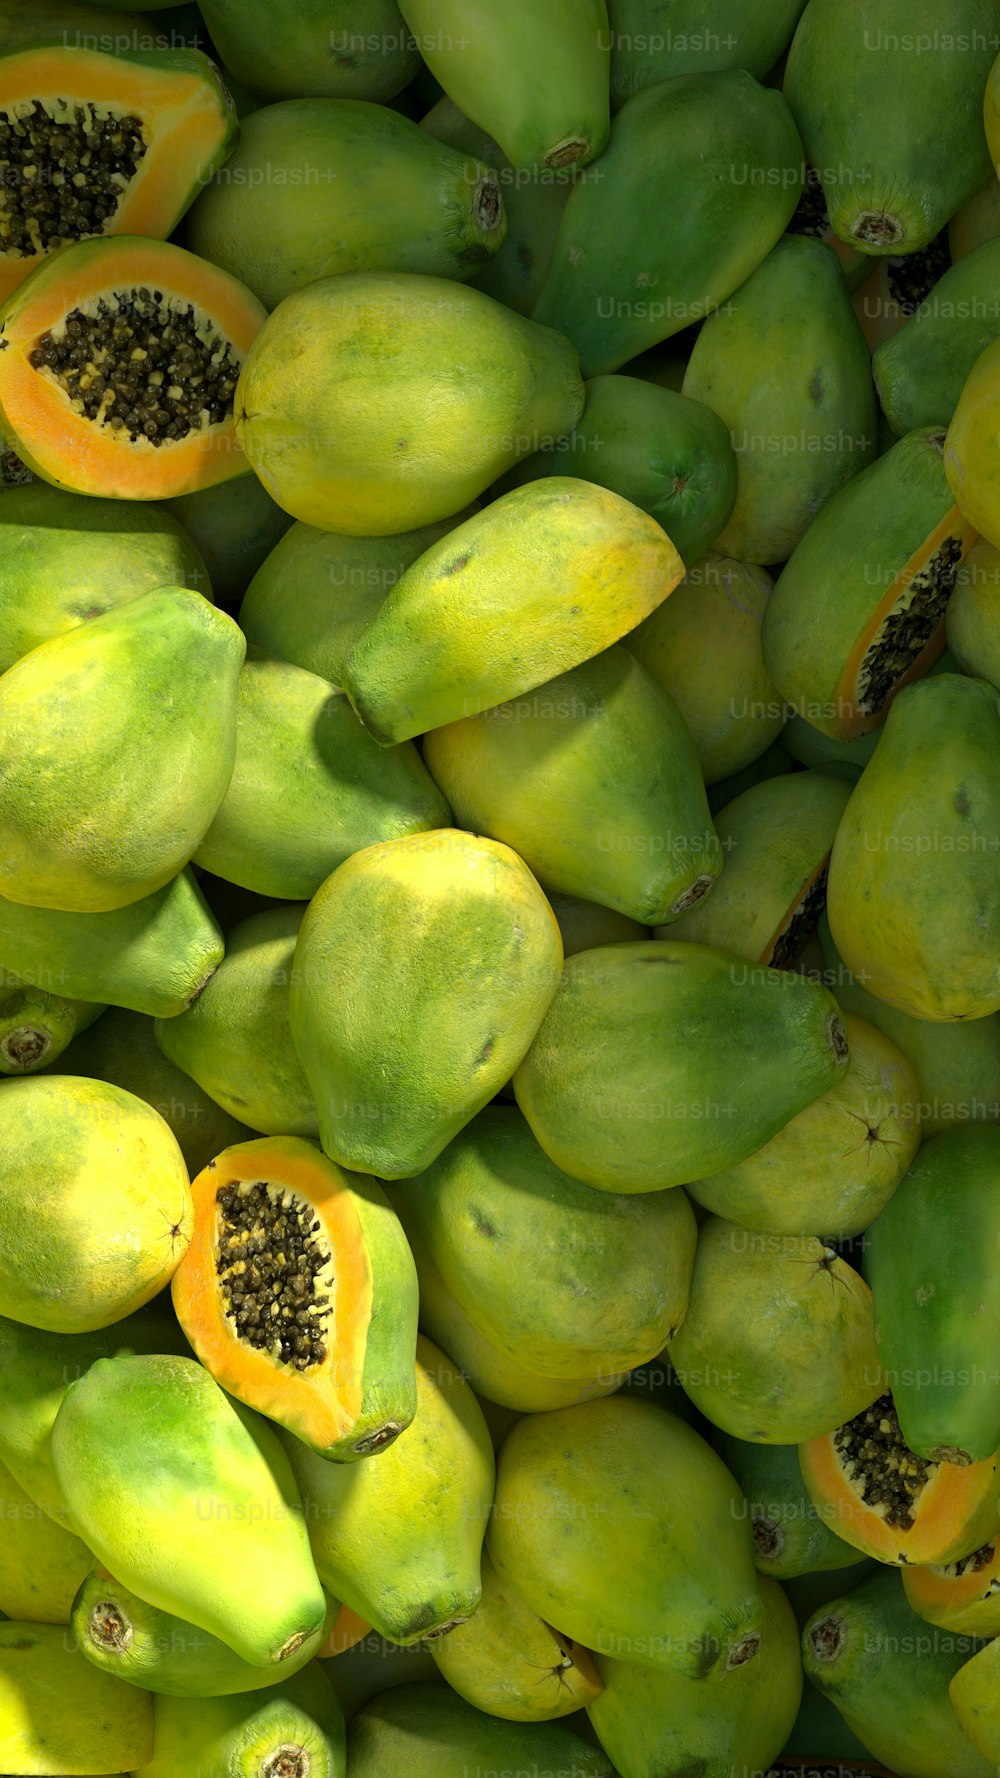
[466,384]
[652,1562]
[974,1698]
[971,619]
[919,371]
[784,363]
[372,1665]
[838,1163]
[702,645]
[95,1206]
[368,1018]
[493,1208]
[499,71]
[789,1534]
[41,1563]
[593,779]
[427,1731]
[657,1724]
[929,1258]
[772,763]
[68,558]
[657,1381]
[913,894]
[820,1732]
[712,1057]
[153,956]
[398,1538]
[297,1727]
[669,455]
[651,42]
[976,222]
[118,740]
[58,1714]
[807,1592]
[189,1500]
[372,193]
[360,49]
[235,524]
[810,747]
[35,1027]
[888,98]
[717,160]
[584,924]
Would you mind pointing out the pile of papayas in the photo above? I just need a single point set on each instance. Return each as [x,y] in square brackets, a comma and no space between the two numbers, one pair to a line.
[499,888]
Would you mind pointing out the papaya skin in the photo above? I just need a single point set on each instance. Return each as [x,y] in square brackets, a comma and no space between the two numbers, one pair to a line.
[35,1027]
[971,457]
[41,1563]
[59,1714]
[428,1731]
[296,1722]
[971,619]
[282,52]
[973,1694]
[976,222]
[790,1537]
[920,371]
[234,525]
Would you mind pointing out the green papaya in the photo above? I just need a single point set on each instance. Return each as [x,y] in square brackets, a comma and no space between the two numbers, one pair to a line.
[58,1714]
[717,159]
[662,1724]
[67,558]
[920,371]
[584,924]
[819,1732]
[189,1500]
[398,1538]
[971,619]
[235,525]
[772,763]
[499,72]
[657,1381]
[372,192]
[372,1665]
[777,839]
[153,956]
[593,779]
[712,1057]
[652,40]
[467,385]
[35,1027]
[807,1592]
[493,1207]
[836,1165]
[971,461]
[790,1536]
[428,1731]
[888,97]
[357,49]
[703,646]
[810,747]
[118,739]
[888,1674]
[395,1069]
[664,452]
[652,1563]
[785,366]
[913,895]
[41,1562]
[973,1694]
[976,221]
[296,1727]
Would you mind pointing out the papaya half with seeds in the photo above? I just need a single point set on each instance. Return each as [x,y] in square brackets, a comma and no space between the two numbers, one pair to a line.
[962,1595]
[329,1353]
[58,1714]
[83,411]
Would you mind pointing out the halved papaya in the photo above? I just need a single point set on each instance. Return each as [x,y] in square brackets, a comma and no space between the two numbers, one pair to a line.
[119,360]
[891,1504]
[330,1352]
[95,143]
[962,1595]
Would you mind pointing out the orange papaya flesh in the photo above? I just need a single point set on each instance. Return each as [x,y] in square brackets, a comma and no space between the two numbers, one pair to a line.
[348,1630]
[119,359]
[799,922]
[330,1354]
[891,1504]
[962,1595]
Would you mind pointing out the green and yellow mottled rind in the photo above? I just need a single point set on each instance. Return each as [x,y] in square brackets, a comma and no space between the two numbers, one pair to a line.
[651,44]
[42,1563]
[428,1731]
[790,1536]
[920,370]
[971,453]
[243,1735]
[972,621]
[234,525]
[973,1695]
[364,52]
[35,1026]
[59,1714]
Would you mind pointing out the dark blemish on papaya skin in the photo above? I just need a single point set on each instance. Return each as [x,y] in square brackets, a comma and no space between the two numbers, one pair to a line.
[816,386]
[961,803]
[459,562]
[486,1052]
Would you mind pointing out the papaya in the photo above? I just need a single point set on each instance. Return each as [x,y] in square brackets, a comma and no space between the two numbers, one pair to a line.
[118,739]
[584,924]
[971,461]
[962,1595]
[970,621]
[67,558]
[898,285]
[772,763]
[59,1714]
[153,956]
[858,610]
[95,1207]
[594,781]
[812,219]
[778,1345]
[652,42]
[657,1381]
[465,383]
[499,72]
[790,1537]
[837,1164]
[506,1661]
[712,1057]
[820,1733]
[309,787]
[810,747]
[361,49]
[891,1504]
[107,433]
[372,1665]
[295,1727]
[703,646]
[717,159]
[372,193]
[617,1268]
[395,1069]
[189,1500]
[234,1041]
[35,1027]
[662,1724]
[973,1696]
[41,1563]
[653,1563]
[428,1731]
[344,1632]
[147,127]
[976,221]
[889,106]
[119,1633]
[234,525]
[777,839]
[807,1592]
[666,453]
[399,1538]
[920,370]
[873,1658]
[928,1259]
[338,1368]
[313,595]
[925,813]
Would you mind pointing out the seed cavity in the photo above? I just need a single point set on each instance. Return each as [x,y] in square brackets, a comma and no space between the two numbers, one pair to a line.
[275,1269]
[879,1464]
[908,627]
[974,1564]
[64,168]
[811,216]
[912,276]
[13,473]
[805,918]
